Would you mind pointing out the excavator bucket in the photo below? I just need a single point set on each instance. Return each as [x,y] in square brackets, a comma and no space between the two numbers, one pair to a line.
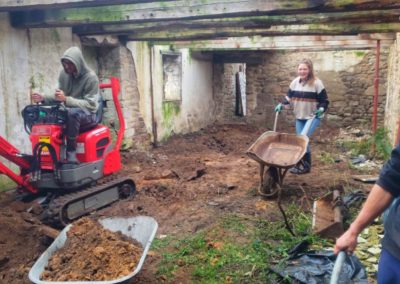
[327,215]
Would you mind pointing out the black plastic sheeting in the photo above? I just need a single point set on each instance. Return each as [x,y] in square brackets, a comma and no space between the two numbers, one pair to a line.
[316,267]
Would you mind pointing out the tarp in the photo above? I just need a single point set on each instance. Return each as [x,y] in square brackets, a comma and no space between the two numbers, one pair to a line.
[316,268]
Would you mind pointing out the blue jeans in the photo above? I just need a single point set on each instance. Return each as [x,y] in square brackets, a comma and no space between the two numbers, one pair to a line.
[301,123]
[388,269]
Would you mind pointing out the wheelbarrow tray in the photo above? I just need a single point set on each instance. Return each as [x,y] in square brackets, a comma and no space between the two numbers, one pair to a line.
[140,228]
[276,149]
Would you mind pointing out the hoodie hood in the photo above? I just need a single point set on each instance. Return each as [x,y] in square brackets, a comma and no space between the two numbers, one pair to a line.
[74,54]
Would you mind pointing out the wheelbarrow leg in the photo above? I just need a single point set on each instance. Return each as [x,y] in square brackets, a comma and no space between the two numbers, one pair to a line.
[270,179]
[262,167]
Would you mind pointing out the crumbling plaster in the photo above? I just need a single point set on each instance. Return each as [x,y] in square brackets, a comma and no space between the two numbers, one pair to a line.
[28,58]
[196,108]
[392,109]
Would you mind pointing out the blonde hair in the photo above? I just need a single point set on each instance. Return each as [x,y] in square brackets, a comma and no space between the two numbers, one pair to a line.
[311,77]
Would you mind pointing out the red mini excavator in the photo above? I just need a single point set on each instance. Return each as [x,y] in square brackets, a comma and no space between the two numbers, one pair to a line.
[68,190]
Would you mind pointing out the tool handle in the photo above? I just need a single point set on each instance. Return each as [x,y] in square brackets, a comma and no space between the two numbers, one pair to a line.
[307,126]
[337,268]
[276,120]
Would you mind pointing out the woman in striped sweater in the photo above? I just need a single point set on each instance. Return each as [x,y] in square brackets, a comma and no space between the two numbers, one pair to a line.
[308,98]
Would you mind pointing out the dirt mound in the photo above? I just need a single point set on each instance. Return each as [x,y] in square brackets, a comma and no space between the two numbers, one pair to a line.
[21,242]
[92,253]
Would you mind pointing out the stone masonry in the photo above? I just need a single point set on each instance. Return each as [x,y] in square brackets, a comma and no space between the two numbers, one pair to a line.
[348,77]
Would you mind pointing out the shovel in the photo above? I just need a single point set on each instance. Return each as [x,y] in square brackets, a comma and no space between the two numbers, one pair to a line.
[327,216]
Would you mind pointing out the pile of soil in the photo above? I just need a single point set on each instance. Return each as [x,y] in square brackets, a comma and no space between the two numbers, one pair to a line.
[112,254]
[21,243]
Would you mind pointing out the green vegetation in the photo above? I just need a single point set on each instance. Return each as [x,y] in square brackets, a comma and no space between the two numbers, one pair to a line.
[327,158]
[376,146]
[169,110]
[239,249]
[37,81]
[6,184]
[360,53]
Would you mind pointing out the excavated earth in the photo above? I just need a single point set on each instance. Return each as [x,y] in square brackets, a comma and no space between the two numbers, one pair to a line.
[185,184]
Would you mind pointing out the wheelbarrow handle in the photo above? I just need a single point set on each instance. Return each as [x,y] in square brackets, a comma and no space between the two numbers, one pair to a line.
[276,120]
[337,268]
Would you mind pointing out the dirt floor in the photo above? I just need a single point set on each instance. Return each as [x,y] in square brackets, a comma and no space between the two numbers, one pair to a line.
[185,184]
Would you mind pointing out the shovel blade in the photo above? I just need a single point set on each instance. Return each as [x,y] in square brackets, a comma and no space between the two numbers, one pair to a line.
[327,217]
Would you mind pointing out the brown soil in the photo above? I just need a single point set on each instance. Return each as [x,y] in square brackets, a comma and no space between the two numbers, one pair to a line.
[186,185]
[112,256]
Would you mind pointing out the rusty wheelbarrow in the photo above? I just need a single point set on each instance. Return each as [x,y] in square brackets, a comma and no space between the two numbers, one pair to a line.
[276,153]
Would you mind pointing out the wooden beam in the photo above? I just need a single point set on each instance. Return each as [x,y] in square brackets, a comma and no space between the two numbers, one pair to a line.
[183,9]
[284,43]
[316,29]
[376,16]
[20,5]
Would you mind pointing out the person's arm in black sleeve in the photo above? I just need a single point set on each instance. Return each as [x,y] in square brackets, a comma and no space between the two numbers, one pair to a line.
[389,178]
[322,98]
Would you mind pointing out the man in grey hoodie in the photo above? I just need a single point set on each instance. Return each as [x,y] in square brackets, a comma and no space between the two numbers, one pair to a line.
[78,89]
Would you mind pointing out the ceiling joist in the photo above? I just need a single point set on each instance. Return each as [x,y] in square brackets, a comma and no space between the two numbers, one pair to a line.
[376,16]
[316,29]
[188,10]
[20,5]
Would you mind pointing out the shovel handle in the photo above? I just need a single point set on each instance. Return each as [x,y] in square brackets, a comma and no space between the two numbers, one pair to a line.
[337,268]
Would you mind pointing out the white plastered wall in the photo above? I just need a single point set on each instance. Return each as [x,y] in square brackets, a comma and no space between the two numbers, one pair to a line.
[194,111]
[27,58]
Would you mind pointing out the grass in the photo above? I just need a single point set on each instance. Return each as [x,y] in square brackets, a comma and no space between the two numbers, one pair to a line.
[326,158]
[377,146]
[239,249]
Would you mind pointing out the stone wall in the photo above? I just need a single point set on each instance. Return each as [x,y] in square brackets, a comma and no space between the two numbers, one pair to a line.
[118,62]
[224,82]
[348,77]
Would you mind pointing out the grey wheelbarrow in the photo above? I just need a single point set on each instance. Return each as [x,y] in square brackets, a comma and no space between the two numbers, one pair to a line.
[140,228]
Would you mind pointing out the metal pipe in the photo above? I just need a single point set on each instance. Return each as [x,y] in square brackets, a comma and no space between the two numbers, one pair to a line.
[376,87]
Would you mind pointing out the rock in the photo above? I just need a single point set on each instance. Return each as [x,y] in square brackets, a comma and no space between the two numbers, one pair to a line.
[361,240]
[374,250]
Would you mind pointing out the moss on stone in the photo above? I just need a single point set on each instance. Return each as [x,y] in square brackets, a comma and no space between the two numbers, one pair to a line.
[36,81]
[55,35]
[359,53]
[170,109]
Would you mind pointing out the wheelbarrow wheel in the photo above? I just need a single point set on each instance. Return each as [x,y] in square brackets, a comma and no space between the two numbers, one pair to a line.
[270,185]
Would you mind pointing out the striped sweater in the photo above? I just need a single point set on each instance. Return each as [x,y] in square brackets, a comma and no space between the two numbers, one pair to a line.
[306,99]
